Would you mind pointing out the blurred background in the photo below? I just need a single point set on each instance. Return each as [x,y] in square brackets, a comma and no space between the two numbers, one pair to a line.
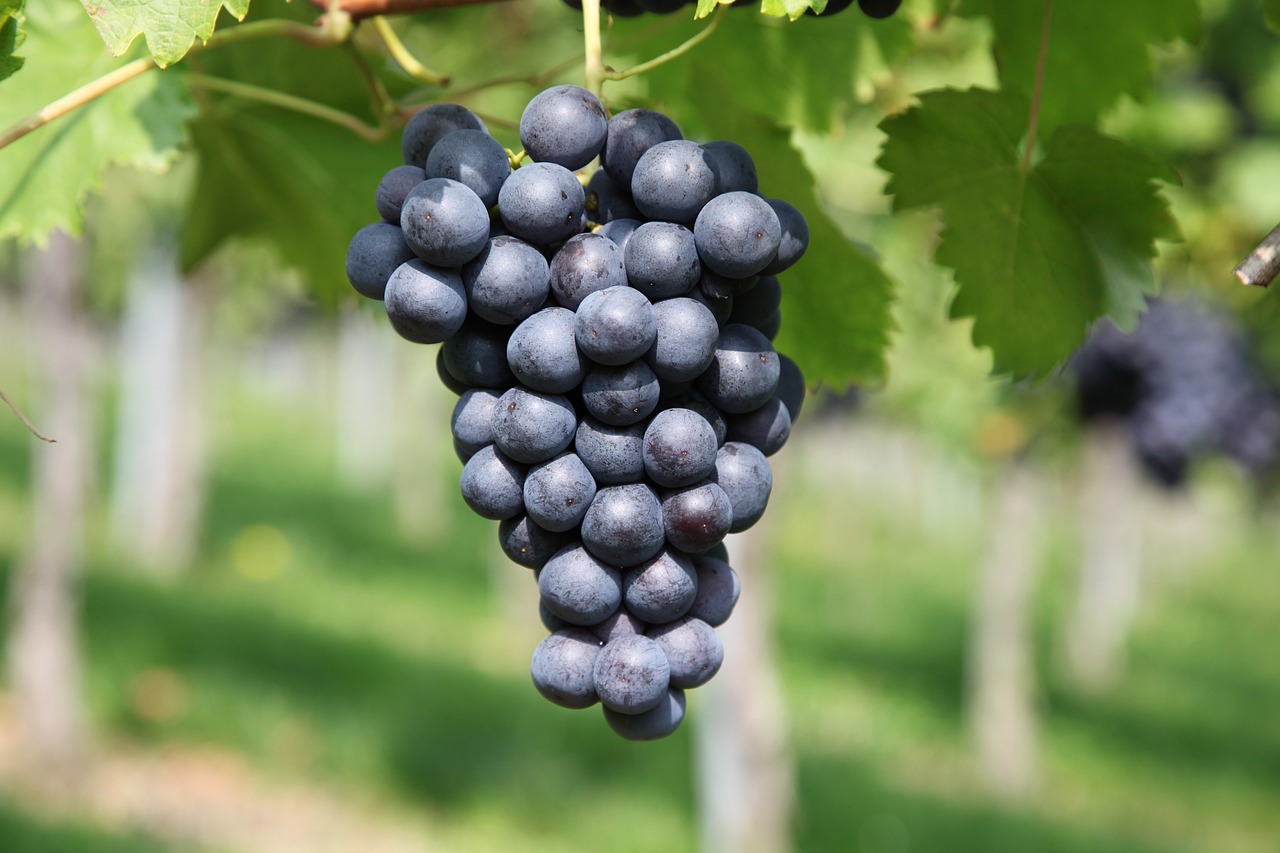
[978,616]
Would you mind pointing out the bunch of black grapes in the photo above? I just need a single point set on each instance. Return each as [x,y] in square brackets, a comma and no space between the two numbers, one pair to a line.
[1187,384]
[634,8]
[618,389]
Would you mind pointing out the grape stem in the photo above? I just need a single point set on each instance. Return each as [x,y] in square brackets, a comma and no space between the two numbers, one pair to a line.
[594,69]
[404,58]
[289,102]
[333,30]
[1038,89]
[1262,265]
[361,9]
[30,426]
[675,52]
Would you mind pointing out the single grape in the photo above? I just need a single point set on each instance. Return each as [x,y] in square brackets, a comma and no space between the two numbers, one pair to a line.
[444,222]
[744,474]
[718,589]
[620,395]
[790,386]
[507,282]
[696,517]
[658,722]
[565,125]
[472,158]
[623,526]
[586,263]
[795,237]
[613,454]
[661,260]
[631,675]
[744,373]
[532,427]
[661,589]
[476,355]
[527,544]
[425,304]
[493,484]
[543,353]
[557,493]
[693,400]
[679,448]
[616,325]
[579,588]
[619,230]
[766,428]
[737,234]
[376,251]
[684,340]
[693,649]
[472,421]
[672,181]
[394,186]
[446,378]
[732,166]
[620,624]
[431,124]
[631,134]
[606,201]
[542,203]
[563,668]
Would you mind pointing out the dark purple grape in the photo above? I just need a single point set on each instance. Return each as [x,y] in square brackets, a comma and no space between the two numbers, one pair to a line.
[718,589]
[507,282]
[543,353]
[392,189]
[679,448]
[493,484]
[631,134]
[472,421]
[744,474]
[693,649]
[563,668]
[623,526]
[565,125]
[579,588]
[425,304]
[527,544]
[473,158]
[586,263]
[744,373]
[616,325]
[375,253]
[661,589]
[632,675]
[557,493]
[431,124]
[696,517]
[620,395]
[532,427]
[613,454]
[658,722]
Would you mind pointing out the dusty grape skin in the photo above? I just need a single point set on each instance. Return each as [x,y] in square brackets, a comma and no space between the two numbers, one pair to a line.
[744,474]
[394,186]
[744,373]
[679,448]
[630,134]
[607,202]
[542,203]
[578,588]
[557,493]
[684,342]
[791,390]
[565,125]
[584,264]
[507,282]
[532,427]
[661,589]
[737,234]
[526,544]
[696,517]
[425,304]
[795,237]
[615,326]
[718,590]
[620,624]
[444,222]
[766,428]
[446,379]
[476,355]
[623,526]
[563,668]
[431,124]
[613,454]
[472,421]
[661,260]
[543,354]
[693,649]
[492,484]
[693,400]
[672,181]
[472,158]
[732,166]
[620,395]
[376,251]
[550,621]
[631,674]
[719,306]
[658,722]
[619,230]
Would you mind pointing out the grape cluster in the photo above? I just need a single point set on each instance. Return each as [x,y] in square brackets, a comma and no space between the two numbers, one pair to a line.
[633,8]
[618,389]
[1187,384]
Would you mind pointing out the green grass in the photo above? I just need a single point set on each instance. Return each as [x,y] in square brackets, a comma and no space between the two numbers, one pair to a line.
[368,662]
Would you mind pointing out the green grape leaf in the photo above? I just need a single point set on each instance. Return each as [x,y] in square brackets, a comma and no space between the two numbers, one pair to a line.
[1038,254]
[1271,11]
[11,37]
[836,299]
[1098,50]
[706,7]
[46,176]
[171,27]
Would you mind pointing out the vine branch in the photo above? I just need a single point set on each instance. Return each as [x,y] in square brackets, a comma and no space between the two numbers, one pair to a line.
[404,57]
[23,418]
[1262,265]
[1037,90]
[289,102]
